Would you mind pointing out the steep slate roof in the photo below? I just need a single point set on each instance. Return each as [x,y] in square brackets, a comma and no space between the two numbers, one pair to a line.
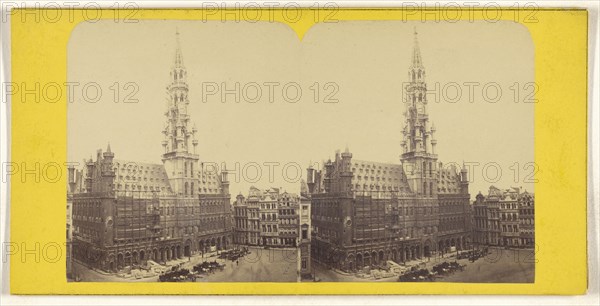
[148,177]
[209,180]
[448,180]
[391,177]
[388,177]
[139,176]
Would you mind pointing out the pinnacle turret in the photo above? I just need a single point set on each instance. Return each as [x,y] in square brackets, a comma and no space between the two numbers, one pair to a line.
[178,63]
[417,62]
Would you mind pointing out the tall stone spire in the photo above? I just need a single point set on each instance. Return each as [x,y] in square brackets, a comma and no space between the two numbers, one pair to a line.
[417,62]
[416,133]
[179,135]
[178,63]
[418,144]
[179,158]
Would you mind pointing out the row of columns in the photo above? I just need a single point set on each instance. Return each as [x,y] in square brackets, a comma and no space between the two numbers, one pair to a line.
[165,254]
[356,261]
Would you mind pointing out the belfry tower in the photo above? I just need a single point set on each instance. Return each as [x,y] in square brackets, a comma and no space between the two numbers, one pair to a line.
[418,158]
[180,158]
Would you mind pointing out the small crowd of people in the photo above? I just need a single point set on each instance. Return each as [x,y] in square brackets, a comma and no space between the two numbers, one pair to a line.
[234,254]
[472,255]
[178,274]
[175,275]
[447,268]
[417,275]
[208,267]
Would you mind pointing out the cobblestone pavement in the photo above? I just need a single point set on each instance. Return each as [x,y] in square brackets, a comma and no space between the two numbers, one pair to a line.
[270,265]
[280,265]
[499,266]
[88,275]
[261,265]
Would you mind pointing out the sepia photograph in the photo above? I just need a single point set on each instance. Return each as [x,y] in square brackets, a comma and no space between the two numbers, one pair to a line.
[362,151]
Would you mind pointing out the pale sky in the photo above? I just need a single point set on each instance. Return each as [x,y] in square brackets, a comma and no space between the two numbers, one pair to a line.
[367,62]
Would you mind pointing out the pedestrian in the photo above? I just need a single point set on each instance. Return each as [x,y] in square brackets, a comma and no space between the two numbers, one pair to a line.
[237,262]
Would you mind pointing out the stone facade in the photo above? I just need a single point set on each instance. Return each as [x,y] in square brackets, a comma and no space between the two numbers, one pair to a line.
[129,212]
[505,218]
[305,233]
[266,218]
[365,213]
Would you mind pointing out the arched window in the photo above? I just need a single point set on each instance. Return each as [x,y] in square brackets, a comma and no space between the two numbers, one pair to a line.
[192,188]
[185,169]
[424,188]
[186,188]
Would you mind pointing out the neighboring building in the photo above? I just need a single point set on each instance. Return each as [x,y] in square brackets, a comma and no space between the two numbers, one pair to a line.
[69,233]
[487,218]
[305,233]
[241,225]
[527,220]
[364,213]
[505,218]
[266,218]
[509,217]
[288,208]
[480,221]
[73,186]
[130,212]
